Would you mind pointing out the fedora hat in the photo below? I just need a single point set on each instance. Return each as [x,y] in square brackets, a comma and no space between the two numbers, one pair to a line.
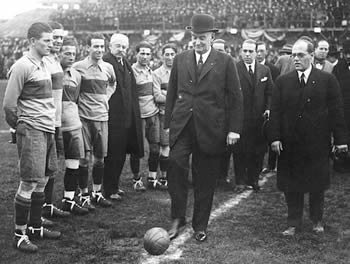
[287,48]
[201,23]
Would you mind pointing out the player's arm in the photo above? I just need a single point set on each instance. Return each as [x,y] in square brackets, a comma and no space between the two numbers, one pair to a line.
[13,91]
[159,97]
[112,82]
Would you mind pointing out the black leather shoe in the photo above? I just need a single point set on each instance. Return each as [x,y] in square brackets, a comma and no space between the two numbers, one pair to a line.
[175,227]
[200,236]
[255,186]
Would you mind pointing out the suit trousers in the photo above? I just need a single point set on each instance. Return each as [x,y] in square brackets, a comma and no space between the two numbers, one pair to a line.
[119,141]
[205,170]
[295,203]
[247,164]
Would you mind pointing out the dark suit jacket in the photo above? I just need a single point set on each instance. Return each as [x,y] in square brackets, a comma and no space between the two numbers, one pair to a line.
[214,101]
[342,73]
[303,120]
[275,72]
[118,104]
[257,99]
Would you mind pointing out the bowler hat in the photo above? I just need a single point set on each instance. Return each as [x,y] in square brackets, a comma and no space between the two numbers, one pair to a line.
[201,23]
[346,46]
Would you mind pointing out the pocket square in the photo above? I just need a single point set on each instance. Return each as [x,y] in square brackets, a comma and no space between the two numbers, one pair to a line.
[263,79]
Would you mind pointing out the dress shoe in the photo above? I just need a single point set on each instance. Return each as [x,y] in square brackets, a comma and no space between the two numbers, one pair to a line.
[115,197]
[175,227]
[200,236]
[290,231]
[318,228]
[240,188]
[255,186]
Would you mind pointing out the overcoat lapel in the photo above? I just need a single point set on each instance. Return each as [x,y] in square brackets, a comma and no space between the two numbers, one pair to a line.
[209,64]
[191,64]
[246,73]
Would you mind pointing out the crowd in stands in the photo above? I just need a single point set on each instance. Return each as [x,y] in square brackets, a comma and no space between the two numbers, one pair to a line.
[170,14]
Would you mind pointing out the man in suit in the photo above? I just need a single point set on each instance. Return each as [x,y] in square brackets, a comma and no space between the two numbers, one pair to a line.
[321,52]
[261,53]
[284,62]
[124,123]
[256,83]
[204,113]
[306,108]
[341,71]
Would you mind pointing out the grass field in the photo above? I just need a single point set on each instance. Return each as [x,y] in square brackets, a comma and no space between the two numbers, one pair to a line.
[249,233]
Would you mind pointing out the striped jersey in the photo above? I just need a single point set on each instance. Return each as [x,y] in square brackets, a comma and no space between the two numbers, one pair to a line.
[149,93]
[53,63]
[161,78]
[71,90]
[98,83]
[28,96]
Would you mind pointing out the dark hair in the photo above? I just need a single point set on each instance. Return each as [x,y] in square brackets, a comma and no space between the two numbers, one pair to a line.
[169,46]
[36,29]
[55,25]
[258,43]
[143,44]
[69,41]
[94,36]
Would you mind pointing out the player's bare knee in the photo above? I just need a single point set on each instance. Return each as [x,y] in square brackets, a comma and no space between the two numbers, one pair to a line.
[26,188]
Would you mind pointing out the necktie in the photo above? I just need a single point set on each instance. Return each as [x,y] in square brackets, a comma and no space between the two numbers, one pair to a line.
[302,80]
[251,73]
[200,64]
[120,60]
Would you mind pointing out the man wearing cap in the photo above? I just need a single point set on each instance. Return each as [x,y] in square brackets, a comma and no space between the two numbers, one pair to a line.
[342,72]
[284,62]
[124,121]
[204,111]
[219,45]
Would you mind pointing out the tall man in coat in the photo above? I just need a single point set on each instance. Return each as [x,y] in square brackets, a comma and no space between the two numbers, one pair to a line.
[257,84]
[306,108]
[204,113]
[124,123]
[261,53]
[342,72]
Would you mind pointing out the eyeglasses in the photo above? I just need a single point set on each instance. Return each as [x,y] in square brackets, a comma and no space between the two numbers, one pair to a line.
[300,55]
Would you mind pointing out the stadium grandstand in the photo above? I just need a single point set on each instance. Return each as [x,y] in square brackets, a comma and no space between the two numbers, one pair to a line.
[159,21]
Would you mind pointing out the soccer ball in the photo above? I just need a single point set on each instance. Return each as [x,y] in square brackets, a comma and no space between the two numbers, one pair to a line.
[156,241]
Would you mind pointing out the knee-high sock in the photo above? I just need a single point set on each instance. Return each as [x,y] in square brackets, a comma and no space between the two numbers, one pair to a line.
[83,177]
[36,209]
[22,208]
[49,190]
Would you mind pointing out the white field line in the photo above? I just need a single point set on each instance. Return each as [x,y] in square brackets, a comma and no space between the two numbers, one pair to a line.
[174,252]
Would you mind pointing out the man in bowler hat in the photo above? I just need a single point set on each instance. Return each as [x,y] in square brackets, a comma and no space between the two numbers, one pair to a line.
[204,113]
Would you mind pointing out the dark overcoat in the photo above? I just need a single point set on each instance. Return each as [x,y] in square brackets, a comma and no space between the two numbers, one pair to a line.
[213,100]
[303,120]
[342,73]
[118,104]
[257,98]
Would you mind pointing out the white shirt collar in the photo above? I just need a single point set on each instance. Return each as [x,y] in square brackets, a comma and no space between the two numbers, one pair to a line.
[252,64]
[306,73]
[204,56]
[263,62]
[335,63]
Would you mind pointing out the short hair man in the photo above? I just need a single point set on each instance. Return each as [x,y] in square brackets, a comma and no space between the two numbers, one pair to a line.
[303,103]
[320,58]
[124,124]
[71,127]
[29,108]
[204,114]
[261,53]
[98,83]
[53,63]
[149,96]
[161,79]
[257,84]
